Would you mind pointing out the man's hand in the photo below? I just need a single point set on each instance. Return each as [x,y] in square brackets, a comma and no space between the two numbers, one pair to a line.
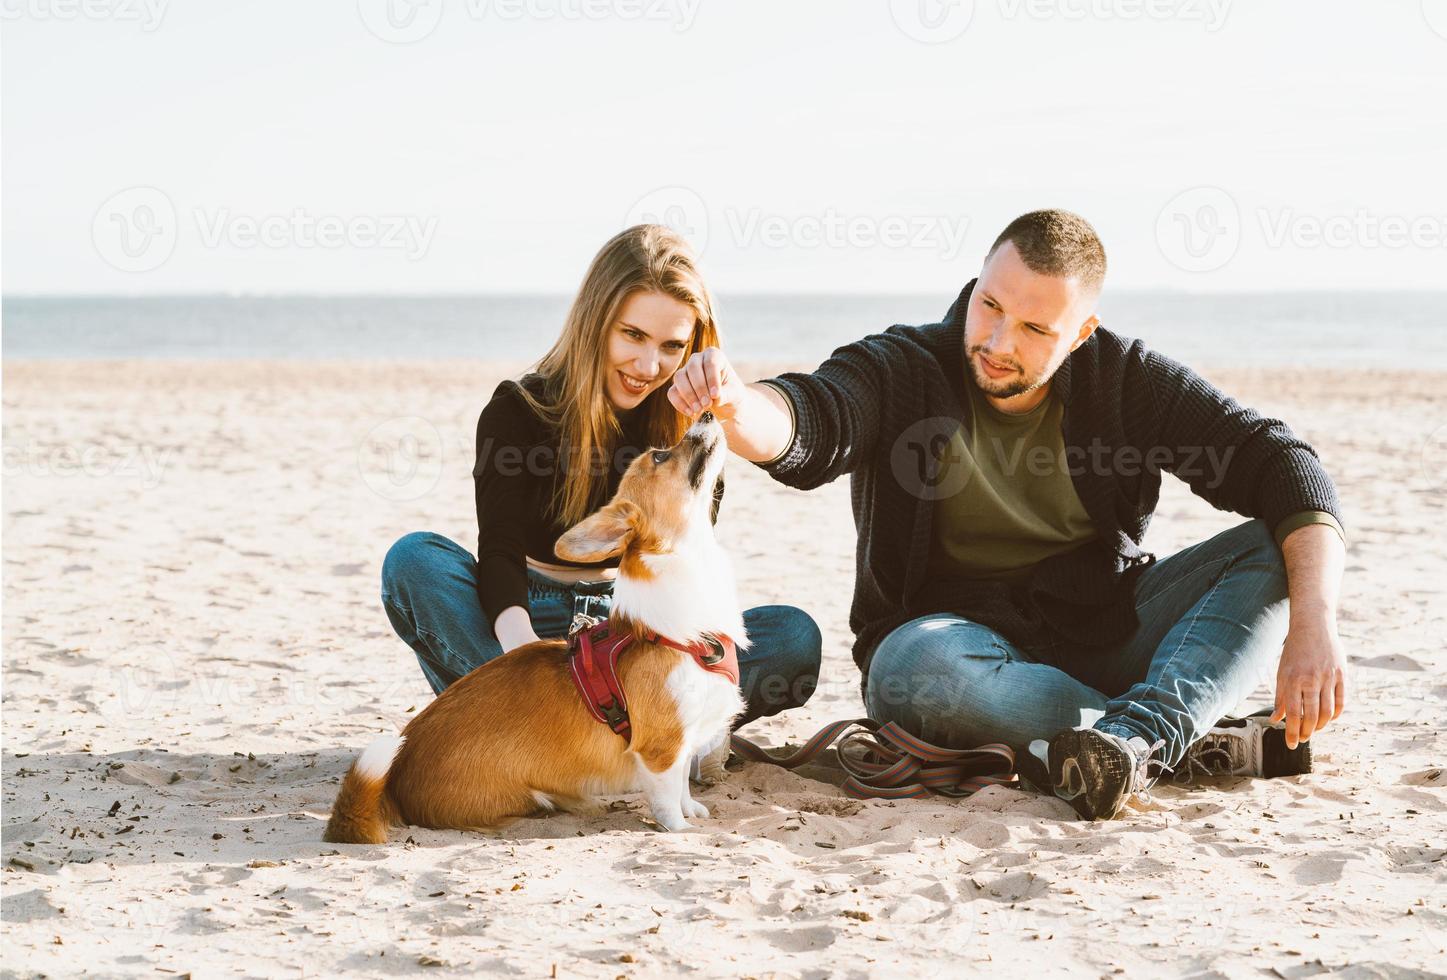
[757,422]
[707,382]
[1311,684]
[1311,678]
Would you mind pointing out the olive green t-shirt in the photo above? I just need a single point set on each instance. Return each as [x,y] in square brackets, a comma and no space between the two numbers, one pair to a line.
[1005,498]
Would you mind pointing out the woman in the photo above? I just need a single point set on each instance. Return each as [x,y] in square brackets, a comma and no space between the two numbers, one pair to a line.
[551,449]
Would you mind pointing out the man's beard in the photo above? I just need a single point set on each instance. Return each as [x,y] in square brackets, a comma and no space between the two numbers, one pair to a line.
[1000,387]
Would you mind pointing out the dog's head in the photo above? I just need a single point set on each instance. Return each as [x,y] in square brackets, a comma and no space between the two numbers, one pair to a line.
[662,506]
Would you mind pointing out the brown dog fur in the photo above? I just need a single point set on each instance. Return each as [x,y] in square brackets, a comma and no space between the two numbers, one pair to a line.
[481,724]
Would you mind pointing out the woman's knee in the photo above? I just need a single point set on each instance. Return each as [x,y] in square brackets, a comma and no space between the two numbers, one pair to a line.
[793,644]
[413,556]
[799,639]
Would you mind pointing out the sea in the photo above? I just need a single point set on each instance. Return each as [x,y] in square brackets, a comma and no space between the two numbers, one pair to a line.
[1405,330]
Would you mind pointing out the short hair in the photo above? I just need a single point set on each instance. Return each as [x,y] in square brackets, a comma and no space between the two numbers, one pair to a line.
[1054,242]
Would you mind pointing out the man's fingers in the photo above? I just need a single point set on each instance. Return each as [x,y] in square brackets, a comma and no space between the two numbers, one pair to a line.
[699,377]
[687,382]
[699,382]
[1310,712]
[1341,695]
[684,383]
[676,399]
[1327,707]
[1293,719]
[713,374]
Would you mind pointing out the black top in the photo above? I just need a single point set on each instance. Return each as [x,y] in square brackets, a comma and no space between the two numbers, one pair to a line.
[518,459]
[872,407]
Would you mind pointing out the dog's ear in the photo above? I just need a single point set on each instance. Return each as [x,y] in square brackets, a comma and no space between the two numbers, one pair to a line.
[601,536]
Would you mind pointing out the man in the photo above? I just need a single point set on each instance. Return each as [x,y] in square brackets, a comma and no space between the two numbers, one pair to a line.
[1004,466]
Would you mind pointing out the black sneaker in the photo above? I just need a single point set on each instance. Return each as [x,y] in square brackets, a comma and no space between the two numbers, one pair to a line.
[1251,746]
[1096,772]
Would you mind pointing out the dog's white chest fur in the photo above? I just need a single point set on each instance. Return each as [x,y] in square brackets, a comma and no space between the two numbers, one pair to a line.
[707,702]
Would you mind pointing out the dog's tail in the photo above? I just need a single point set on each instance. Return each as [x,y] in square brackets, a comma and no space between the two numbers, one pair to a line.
[363,813]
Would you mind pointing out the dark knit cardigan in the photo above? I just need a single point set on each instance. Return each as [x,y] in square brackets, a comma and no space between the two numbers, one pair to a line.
[1129,413]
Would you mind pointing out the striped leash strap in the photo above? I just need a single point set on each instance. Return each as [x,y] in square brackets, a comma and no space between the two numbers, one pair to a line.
[894,765]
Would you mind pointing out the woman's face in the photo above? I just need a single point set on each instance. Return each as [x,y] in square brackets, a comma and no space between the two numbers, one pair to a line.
[645,346]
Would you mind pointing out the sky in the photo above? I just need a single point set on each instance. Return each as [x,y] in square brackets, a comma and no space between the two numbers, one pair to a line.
[875,146]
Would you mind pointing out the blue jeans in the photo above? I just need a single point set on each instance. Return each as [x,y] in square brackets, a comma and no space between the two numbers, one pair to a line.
[1212,620]
[429,589]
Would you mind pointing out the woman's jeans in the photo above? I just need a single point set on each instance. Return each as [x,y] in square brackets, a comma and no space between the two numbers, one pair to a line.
[429,589]
[1212,620]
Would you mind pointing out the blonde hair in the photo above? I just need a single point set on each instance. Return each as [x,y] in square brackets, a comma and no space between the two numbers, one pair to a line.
[648,258]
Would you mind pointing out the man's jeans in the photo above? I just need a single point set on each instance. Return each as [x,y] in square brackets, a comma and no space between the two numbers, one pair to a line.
[429,589]
[1212,620]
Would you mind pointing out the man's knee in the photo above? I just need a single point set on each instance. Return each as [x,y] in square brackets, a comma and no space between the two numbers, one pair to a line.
[926,662]
[1258,549]
[1257,538]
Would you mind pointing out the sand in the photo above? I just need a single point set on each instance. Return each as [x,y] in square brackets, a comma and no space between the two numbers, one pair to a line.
[194,650]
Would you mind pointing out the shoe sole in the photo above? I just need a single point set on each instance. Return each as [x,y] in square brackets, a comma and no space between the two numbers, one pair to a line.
[1102,768]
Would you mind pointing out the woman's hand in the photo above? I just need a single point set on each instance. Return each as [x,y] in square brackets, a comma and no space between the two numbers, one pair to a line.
[707,382]
[514,628]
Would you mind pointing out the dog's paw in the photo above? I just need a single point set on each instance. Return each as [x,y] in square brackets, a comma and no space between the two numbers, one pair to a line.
[695,809]
[673,824]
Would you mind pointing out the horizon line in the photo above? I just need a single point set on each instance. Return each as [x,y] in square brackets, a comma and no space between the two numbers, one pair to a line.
[554,294]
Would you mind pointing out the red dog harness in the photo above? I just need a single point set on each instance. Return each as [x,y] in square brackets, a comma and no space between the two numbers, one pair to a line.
[593,655]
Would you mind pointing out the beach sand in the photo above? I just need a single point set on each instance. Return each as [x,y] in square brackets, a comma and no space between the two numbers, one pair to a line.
[195,651]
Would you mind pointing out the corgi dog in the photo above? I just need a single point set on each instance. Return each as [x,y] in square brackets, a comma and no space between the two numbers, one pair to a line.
[516,736]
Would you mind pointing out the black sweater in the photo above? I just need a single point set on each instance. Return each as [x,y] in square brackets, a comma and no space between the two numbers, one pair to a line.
[872,407]
[518,459]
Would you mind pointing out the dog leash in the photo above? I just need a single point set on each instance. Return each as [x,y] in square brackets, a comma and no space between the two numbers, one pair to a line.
[895,765]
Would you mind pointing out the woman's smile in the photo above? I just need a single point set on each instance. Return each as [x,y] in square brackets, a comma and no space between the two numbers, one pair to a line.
[632,385]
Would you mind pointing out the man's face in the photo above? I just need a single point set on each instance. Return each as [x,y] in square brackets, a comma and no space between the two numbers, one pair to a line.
[1021,325]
